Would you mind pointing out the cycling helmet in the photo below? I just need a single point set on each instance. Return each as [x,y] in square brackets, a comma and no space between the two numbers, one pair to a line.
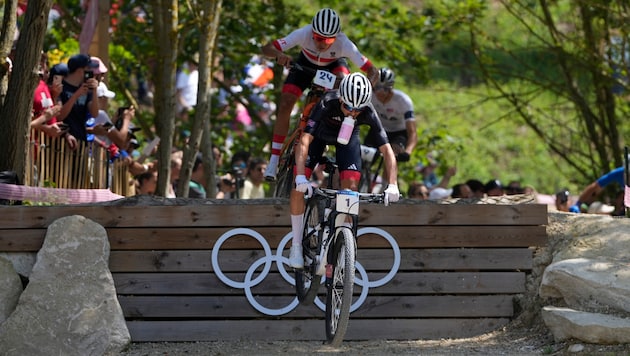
[326,23]
[386,76]
[355,90]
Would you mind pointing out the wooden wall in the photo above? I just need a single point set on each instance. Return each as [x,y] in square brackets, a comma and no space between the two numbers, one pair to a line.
[460,267]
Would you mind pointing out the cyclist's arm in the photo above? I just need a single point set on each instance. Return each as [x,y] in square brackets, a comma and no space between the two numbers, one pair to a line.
[301,151]
[271,51]
[412,136]
[391,167]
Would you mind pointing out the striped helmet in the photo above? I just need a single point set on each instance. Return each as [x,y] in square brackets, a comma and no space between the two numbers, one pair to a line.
[326,23]
[386,76]
[355,90]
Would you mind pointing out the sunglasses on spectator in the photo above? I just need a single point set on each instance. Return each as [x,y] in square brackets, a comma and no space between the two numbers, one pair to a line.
[326,40]
[350,108]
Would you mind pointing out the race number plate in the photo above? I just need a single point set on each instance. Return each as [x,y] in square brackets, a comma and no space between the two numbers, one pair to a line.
[348,202]
[324,79]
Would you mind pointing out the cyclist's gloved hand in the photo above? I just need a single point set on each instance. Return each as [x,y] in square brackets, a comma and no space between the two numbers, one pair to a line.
[402,157]
[391,194]
[574,208]
[303,185]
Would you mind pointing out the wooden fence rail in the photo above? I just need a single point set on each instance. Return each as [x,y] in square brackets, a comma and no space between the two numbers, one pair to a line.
[50,162]
[460,268]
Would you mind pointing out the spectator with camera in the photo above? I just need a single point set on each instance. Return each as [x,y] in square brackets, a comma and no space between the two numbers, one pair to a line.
[78,95]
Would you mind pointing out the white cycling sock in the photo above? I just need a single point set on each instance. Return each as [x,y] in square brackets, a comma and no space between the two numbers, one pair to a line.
[297,226]
[272,166]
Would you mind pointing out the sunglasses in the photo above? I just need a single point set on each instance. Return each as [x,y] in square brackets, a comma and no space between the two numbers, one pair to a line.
[350,108]
[326,40]
[383,87]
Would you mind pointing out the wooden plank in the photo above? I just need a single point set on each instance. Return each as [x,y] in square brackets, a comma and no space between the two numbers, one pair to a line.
[270,212]
[370,259]
[309,330]
[235,307]
[173,238]
[403,283]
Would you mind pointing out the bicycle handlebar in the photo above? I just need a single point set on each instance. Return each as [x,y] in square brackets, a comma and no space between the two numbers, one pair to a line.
[367,197]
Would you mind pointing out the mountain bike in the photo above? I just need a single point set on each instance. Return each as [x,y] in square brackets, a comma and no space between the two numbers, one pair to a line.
[322,82]
[329,248]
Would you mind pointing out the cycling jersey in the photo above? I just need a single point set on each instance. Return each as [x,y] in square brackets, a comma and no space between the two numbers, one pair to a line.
[342,47]
[324,124]
[396,112]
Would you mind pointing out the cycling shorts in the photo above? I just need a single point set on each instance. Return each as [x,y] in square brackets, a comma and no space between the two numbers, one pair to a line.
[298,80]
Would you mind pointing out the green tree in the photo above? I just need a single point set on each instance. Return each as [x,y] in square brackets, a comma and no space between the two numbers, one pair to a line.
[564,75]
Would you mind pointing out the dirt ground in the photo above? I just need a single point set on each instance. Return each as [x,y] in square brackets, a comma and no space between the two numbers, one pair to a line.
[511,340]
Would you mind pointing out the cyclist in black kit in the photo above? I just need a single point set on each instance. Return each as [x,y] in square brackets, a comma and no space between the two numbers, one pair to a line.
[350,105]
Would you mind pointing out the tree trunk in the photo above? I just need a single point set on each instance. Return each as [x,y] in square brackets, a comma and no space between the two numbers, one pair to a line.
[165,31]
[15,114]
[209,23]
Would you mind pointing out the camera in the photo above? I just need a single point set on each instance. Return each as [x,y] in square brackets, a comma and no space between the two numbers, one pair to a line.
[88,75]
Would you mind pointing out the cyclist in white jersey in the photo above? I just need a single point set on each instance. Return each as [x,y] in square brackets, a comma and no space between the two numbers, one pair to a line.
[323,46]
[395,109]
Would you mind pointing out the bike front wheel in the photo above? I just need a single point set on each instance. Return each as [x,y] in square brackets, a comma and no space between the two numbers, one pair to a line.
[339,296]
[306,280]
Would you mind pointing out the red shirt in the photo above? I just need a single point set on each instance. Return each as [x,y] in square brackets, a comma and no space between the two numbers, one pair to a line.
[42,100]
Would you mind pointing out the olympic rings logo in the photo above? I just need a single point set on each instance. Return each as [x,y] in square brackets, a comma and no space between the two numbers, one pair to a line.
[266,261]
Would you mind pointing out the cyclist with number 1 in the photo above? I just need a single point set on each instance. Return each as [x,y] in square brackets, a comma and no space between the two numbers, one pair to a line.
[335,120]
[323,46]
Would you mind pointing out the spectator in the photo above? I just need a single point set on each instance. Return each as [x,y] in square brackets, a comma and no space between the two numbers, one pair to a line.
[462,191]
[146,183]
[477,188]
[514,187]
[187,82]
[103,125]
[197,178]
[493,188]
[253,187]
[418,190]
[100,70]
[440,193]
[593,190]
[79,95]
[44,108]
[54,79]
[562,200]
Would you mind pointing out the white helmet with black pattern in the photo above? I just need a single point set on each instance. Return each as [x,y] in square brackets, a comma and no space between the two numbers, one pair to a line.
[355,90]
[326,23]
[386,76]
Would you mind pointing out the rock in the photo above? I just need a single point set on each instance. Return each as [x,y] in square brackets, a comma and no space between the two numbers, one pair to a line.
[22,261]
[11,289]
[588,284]
[576,348]
[69,306]
[594,328]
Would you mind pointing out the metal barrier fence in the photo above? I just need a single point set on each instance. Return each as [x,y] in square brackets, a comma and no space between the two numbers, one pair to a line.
[51,163]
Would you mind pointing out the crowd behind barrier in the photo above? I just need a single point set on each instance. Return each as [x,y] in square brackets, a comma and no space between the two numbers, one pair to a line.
[51,163]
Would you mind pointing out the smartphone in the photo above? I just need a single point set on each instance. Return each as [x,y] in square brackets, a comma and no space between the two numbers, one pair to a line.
[108,125]
[88,75]
[63,126]
[57,79]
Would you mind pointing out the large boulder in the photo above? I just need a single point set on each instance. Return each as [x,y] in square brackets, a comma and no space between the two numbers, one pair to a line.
[586,287]
[69,306]
[11,289]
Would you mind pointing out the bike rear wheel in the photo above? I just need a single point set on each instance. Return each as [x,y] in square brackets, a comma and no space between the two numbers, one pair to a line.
[306,280]
[339,296]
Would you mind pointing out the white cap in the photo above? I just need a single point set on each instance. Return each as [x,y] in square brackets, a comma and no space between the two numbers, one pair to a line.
[440,193]
[600,208]
[103,91]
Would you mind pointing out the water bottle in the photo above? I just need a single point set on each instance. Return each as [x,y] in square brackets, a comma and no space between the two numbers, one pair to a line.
[347,126]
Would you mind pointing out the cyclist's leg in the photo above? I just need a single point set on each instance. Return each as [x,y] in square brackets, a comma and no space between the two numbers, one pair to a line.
[349,162]
[296,206]
[295,84]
